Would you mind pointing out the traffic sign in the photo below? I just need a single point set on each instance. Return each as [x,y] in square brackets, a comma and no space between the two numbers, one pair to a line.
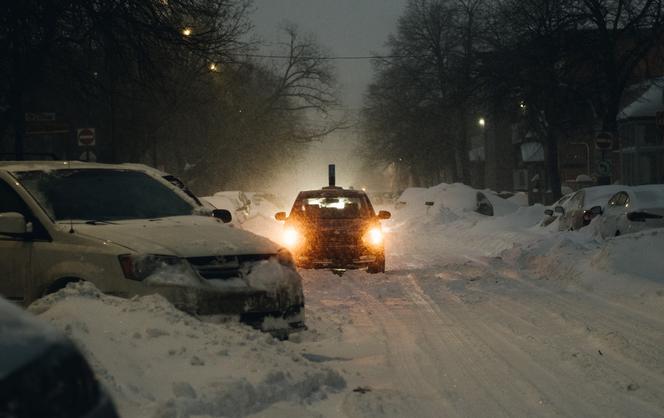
[604,141]
[604,168]
[86,137]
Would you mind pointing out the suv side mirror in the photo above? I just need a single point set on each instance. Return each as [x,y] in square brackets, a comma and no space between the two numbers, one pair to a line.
[222,214]
[13,224]
[596,210]
[280,216]
[559,210]
[383,214]
[548,212]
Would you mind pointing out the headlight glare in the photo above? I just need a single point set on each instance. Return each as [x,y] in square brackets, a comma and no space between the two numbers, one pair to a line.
[374,237]
[292,237]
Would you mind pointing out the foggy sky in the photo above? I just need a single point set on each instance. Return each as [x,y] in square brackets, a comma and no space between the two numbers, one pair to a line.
[346,27]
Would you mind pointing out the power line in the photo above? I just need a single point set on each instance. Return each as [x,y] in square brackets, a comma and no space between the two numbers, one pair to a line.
[348,57]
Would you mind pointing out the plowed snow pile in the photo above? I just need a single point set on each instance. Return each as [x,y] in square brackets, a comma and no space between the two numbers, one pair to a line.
[157,361]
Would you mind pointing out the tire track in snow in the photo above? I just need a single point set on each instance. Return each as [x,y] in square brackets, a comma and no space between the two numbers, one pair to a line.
[542,388]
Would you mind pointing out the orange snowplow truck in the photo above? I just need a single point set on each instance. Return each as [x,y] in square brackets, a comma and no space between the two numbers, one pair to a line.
[335,228]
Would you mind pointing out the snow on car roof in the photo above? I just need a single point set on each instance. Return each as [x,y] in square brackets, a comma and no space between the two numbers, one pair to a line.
[15,166]
[600,195]
[650,196]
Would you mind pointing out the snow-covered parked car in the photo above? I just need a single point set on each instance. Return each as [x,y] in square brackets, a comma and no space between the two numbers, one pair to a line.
[130,233]
[550,213]
[583,206]
[453,201]
[236,202]
[633,209]
[42,374]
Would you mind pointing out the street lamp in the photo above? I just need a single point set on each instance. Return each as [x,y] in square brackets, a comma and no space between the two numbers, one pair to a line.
[481,122]
[213,67]
[186,31]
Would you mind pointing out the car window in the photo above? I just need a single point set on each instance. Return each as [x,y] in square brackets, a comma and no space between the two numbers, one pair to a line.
[615,199]
[102,194]
[340,207]
[10,201]
[626,199]
[576,201]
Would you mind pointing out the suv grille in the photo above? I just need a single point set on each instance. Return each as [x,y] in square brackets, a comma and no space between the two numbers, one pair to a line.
[224,267]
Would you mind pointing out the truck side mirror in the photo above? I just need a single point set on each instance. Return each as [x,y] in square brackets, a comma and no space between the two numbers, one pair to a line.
[222,214]
[559,210]
[280,216]
[383,214]
[13,224]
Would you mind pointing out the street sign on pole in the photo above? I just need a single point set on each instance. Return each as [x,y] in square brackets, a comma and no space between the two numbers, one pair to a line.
[604,141]
[86,137]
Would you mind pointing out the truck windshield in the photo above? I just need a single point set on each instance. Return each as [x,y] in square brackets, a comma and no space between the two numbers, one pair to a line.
[332,207]
[102,195]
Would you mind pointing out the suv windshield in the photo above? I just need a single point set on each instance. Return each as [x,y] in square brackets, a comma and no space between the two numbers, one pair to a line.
[332,207]
[102,195]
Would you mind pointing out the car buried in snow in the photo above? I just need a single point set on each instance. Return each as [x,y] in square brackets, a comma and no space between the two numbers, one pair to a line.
[633,209]
[335,228]
[132,233]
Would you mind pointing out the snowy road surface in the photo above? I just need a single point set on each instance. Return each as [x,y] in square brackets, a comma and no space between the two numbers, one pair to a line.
[474,318]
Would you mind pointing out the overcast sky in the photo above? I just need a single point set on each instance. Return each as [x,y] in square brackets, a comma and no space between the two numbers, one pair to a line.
[346,27]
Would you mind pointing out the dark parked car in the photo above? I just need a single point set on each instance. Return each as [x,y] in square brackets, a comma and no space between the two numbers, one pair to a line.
[42,374]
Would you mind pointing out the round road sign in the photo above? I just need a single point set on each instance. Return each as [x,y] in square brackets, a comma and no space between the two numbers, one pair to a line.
[86,137]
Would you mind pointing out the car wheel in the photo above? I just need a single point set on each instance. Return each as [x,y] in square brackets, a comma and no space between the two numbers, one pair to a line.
[377,266]
[60,284]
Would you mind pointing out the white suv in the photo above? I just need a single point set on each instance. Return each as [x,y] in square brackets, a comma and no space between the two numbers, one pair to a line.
[132,233]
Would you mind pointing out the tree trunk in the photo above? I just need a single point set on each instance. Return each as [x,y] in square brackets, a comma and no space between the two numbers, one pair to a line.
[552,169]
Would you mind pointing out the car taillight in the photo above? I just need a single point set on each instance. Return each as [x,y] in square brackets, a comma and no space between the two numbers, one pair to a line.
[642,216]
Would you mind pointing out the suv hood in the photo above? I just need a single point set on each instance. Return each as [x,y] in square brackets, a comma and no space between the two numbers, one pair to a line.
[183,236]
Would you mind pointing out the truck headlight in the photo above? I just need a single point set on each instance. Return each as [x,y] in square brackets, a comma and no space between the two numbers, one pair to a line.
[141,266]
[374,237]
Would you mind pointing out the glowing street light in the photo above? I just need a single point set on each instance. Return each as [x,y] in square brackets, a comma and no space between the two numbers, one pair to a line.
[481,122]
[186,31]
[213,67]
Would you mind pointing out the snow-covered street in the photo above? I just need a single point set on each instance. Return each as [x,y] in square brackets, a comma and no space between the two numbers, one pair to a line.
[475,317]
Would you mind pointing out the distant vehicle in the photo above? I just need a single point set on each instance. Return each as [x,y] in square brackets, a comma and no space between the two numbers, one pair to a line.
[583,206]
[42,374]
[131,233]
[335,228]
[550,215]
[633,209]
[236,202]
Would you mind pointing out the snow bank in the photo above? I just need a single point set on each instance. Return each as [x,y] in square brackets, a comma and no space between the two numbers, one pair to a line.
[629,265]
[157,361]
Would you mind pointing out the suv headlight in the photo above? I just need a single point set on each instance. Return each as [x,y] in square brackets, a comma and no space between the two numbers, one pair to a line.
[292,237]
[141,266]
[374,237]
